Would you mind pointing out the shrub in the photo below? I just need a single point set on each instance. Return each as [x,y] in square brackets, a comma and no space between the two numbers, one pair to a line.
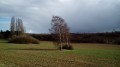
[23,39]
[70,47]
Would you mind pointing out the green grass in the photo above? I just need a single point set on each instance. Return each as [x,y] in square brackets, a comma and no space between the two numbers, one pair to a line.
[46,55]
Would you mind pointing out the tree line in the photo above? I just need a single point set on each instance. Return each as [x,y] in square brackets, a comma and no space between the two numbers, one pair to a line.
[104,38]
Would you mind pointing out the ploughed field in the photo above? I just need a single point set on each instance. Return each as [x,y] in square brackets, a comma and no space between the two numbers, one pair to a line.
[45,54]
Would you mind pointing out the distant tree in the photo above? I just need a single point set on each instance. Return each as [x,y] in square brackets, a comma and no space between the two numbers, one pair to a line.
[1,36]
[60,32]
[7,34]
[1,31]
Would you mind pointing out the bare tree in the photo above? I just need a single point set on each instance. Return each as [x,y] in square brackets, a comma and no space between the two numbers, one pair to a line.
[66,35]
[12,26]
[17,27]
[20,27]
[60,32]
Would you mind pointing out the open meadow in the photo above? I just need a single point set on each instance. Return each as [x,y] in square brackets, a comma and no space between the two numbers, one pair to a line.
[45,54]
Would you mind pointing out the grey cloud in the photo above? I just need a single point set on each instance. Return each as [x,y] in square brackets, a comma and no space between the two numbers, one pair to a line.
[81,15]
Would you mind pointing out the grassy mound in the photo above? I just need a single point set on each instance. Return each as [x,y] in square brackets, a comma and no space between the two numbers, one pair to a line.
[23,39]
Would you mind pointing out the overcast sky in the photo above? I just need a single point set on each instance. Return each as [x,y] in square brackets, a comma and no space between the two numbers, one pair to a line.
[80,15]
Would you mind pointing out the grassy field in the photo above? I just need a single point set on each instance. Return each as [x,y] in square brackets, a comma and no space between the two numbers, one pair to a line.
[46,55]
